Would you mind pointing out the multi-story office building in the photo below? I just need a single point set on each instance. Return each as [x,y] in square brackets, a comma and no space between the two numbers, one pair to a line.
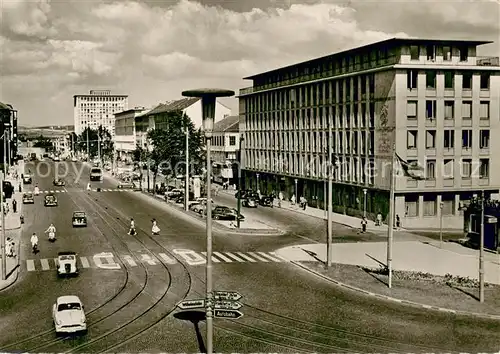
[225,150]
[97,108]
[125,132]
[435,101]
[8,120]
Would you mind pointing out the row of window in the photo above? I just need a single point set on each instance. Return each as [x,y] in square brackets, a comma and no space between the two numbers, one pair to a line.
[447,52]
[221,140]
[104,99]
[446,138]
[447,107]
[469,168]
[362,142]
[431,76]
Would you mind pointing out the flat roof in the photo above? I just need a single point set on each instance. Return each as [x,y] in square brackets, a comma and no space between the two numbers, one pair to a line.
[89,95]
[372,45]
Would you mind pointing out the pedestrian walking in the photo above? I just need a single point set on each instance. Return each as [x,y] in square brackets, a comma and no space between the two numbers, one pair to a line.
[280,198]
[292,199]
[398,222]
[379,219]
[364,222]
[14,206]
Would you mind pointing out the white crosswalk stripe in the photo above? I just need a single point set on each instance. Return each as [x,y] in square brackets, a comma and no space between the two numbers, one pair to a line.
[235,257]
[215,260]
[155,260]
[222,257]
[85,262]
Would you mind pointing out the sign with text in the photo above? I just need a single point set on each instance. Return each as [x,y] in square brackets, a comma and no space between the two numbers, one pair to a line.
[191,304]
[227,305]
[227,295]
[227,314]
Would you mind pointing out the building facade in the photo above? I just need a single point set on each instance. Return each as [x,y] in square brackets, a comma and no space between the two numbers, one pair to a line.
[434,101]
[8,120]
[125,132]
[97,108]
[226,140]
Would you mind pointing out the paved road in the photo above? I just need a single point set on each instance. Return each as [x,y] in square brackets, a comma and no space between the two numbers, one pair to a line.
[285,310]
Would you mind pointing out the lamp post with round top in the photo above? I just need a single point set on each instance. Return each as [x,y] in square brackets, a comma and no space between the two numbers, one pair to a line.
[208,99]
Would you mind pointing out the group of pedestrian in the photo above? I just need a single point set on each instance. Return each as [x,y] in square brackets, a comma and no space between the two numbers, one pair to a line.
[10,247]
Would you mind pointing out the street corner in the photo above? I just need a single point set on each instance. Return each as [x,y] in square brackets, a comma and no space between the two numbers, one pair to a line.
[11,279]
[304,253]
[249,227]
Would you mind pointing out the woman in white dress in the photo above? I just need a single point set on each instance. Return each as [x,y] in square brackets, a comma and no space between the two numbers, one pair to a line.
[155,229]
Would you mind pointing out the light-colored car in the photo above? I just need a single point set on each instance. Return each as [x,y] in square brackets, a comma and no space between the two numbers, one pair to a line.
[68,315]
[79,219]
[66,264]
[28,198]
[73,159]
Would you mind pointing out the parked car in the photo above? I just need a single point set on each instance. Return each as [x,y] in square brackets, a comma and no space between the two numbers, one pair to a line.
[125,185]
[8,189]
[28,198]
[174,193]
[250,202]
[66,264]
[266,201]
[59,182]
[79,219]
[225,213]
[68,315]
[50,200]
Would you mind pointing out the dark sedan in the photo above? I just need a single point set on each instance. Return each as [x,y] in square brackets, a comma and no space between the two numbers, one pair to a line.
[50,200]
[225,213]
[59,183]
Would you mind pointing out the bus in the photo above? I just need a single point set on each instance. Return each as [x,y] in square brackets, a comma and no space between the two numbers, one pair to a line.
[222,172]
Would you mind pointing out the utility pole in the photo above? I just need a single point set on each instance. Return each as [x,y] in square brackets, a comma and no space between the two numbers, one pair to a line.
[481,252]
[186,187]
[330,197]
[99,147]
[5,168]
[88,145]
[239,184]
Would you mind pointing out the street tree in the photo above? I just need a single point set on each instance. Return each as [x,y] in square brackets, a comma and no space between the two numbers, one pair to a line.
[44,143]
[93,137]
[168,143]
[140,157]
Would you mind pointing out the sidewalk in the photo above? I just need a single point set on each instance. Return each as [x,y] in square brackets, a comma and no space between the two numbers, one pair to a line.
[13,229]
[424,275]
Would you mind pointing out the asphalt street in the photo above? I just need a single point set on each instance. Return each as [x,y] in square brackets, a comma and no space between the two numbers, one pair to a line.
[131,309]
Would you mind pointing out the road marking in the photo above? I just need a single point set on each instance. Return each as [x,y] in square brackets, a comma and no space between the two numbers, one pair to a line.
[58,191]
[215,260]
[274,254]
[263,254]
[51,191]
[148,259]
[30,265]
[109,259]
[130,261]
[224,258]
[235,257]
[191,257]
[256,256]
[167,259]
[244,256]
[45,264]
[85,262]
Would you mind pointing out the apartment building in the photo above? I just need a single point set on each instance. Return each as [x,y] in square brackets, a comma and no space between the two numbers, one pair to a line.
[97,108]
[435,101]
[225,141]
[8,119]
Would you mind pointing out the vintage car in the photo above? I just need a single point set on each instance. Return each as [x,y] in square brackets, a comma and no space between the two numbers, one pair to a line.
[126,185]
[28,198]
[66,264]
[79,219]
[266,201]
[250,202]
[50,200]
[59,182]
[27,179]
[225,213]
[68,315]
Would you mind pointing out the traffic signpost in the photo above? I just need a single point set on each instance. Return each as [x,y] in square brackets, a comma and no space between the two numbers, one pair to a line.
[227,305]
[227,295]
[191,304]
[234,314]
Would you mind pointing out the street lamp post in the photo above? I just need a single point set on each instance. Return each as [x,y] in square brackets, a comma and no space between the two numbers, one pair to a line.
[239,184]
[364,202]
[441,205]
[481,252]
[2,244]
[296,189]
[186,187]
[208,100]
[258,185]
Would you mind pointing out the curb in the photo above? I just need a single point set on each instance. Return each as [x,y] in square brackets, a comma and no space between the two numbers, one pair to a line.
[11,276]
[393,299]
[218,227]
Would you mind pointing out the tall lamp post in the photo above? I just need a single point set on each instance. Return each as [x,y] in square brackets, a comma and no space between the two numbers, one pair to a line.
[481,252]
[239,184]
[441,205]
[186,186]
[258,186]
[208,100]
[4,255]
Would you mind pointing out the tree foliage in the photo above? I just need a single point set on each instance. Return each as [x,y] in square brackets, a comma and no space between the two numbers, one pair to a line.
[45,143]
[169,146]
[93,137]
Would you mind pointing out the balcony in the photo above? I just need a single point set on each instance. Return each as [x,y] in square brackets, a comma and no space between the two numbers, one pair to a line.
[488,61]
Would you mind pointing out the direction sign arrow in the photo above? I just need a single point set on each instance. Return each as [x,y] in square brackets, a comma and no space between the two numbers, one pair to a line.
[227,314]
[227,305]
[227,295]
[191,304]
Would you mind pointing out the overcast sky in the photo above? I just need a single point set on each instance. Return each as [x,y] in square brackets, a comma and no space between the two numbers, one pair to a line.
[152,50]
